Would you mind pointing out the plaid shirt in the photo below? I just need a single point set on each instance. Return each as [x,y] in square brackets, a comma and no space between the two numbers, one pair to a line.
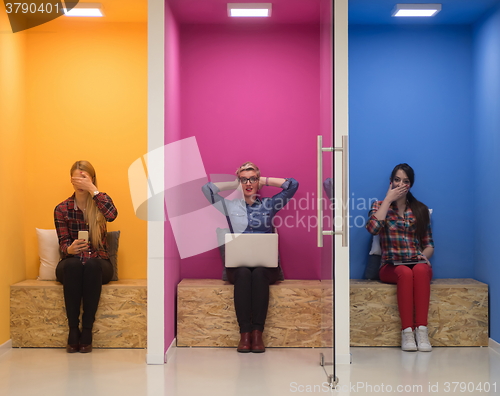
[398,239]
[69,220]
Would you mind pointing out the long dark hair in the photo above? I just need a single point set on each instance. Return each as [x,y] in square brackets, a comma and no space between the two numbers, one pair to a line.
[419,209]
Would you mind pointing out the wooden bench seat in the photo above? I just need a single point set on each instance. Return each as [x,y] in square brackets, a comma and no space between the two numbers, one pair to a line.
[300,314]
[458,313]
[297,316]
[38,315]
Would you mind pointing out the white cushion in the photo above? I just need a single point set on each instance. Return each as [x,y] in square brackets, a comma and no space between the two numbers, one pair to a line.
[376,249]
[48,251]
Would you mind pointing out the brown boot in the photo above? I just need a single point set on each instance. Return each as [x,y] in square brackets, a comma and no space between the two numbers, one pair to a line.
[257,343]
[245,344]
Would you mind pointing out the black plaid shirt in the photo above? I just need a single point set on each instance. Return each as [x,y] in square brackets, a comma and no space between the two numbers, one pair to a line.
[69,220]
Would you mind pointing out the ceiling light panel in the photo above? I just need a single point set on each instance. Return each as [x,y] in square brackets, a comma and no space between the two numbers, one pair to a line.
[416,10]
[249,9]
[84,10]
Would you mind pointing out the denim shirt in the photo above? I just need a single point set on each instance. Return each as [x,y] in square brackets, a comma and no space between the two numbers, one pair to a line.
[257,217]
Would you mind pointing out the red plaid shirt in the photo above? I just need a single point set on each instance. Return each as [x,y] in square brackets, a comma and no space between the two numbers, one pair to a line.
[398,239]
[69,220]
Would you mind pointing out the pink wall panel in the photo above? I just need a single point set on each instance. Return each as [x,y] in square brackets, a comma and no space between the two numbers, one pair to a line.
[326,122]
[252,93]
[172,134]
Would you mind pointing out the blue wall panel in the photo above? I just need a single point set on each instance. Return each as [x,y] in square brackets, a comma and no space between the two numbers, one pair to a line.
[487,169]
[411,100]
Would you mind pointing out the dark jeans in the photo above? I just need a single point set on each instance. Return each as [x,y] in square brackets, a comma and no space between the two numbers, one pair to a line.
[251,295]
[83,282]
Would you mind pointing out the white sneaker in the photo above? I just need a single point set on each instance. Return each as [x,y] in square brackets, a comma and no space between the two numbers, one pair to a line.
[408,340]
[421,335]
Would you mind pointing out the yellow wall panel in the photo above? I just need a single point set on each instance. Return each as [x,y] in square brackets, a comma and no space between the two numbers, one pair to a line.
[12,244]
[70,90]
[86,99]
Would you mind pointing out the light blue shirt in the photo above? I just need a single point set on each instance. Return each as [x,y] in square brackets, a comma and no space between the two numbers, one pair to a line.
[257,217]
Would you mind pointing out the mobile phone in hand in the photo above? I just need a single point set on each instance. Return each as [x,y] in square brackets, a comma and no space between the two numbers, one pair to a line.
[83,235]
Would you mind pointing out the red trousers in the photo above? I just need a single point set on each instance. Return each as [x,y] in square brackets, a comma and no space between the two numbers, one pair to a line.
[414,290]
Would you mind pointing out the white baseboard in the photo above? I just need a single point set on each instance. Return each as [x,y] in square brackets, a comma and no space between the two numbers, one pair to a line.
[155,359]
[158,359]
[494,345]
[6,346]
[343,359]
[171,350]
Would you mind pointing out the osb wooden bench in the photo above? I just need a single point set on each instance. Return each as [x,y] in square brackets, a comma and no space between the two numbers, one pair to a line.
[299,314]
[38,316]
[458,313]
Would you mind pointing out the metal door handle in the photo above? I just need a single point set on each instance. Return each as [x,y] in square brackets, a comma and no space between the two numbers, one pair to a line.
[345,163]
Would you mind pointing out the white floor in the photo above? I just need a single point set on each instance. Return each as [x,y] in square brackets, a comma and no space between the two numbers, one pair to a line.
[217,371]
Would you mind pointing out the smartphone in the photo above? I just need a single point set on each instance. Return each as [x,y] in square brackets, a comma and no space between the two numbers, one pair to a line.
[83,235]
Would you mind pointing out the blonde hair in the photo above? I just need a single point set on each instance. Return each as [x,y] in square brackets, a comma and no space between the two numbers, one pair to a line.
[92,214]
[247,166]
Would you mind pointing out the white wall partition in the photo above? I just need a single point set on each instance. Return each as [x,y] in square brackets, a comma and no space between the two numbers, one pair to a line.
[341,128]
[156,109]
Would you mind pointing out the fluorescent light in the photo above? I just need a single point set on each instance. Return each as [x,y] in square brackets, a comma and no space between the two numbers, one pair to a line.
[415,13]
[249,9]
[249,12]
[76,12]
[416,10]
[84,10]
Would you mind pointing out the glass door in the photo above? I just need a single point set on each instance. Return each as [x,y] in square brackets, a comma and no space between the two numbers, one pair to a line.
[332,188]
[263,90]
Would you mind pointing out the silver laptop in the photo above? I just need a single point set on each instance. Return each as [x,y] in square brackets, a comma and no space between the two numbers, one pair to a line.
[251,250]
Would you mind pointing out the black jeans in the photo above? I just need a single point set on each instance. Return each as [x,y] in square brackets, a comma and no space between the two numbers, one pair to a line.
[83,282]
[251,295]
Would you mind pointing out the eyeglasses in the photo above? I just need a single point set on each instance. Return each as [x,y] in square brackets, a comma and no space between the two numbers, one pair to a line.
[252,180]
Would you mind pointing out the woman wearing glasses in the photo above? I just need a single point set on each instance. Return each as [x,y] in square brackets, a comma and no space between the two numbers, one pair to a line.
[252,214]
